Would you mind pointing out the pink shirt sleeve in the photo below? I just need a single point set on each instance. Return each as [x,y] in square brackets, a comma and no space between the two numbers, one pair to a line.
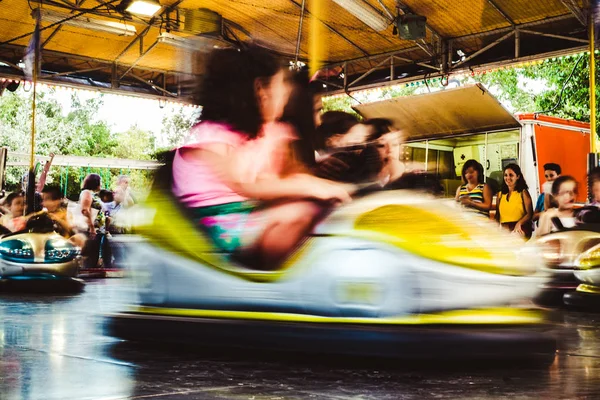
[211,133]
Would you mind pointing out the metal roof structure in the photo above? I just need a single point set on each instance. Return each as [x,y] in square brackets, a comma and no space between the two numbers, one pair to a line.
[459,35]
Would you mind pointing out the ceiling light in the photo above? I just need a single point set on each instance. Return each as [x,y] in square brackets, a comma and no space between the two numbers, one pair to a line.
[366,13]
[85,22]
[146,8]
[193,43]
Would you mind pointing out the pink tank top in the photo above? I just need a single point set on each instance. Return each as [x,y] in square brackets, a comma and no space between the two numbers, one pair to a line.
[196,184]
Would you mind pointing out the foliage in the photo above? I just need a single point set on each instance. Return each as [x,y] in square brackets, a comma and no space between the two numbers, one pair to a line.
[528,89]
[77,131]
[176,126]
[552,76]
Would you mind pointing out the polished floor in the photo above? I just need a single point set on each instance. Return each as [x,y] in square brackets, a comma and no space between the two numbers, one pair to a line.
[53,347]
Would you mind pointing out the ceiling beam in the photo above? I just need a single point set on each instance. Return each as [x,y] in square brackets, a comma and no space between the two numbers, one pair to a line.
[486,48]
[464,70]
[153,45]
[58,28]
[519,26]
[49,54]
[501,11]
[332,29]
[573,7]
[551,35]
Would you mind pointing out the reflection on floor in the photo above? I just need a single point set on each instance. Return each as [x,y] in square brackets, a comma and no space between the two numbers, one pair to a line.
[53,348]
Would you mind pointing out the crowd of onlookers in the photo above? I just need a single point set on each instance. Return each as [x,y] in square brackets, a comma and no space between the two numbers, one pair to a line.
[87,223]
[556,207]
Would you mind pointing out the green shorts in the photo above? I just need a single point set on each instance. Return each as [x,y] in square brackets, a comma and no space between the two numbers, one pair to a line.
[231,226]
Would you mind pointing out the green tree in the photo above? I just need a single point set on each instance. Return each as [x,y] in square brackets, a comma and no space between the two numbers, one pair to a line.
[135,143]
[177,124]
[570,73]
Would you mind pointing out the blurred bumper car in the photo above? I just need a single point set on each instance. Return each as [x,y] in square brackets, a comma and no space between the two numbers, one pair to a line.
[38,259]
[568,256]
[393,274]
[587,271]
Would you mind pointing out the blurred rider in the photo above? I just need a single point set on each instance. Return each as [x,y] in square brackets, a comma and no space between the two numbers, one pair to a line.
[233,175]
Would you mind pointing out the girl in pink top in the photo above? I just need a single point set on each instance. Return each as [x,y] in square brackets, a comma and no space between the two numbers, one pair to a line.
[239,156]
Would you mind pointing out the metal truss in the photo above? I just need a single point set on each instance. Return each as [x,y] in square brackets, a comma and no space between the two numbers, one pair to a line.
[91,73]
[443,62]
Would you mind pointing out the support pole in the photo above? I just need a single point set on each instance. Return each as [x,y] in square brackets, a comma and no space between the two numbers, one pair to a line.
[3,156]
[592,86]
[593,156]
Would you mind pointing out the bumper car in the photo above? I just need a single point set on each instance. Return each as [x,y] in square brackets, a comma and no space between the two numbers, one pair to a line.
[38,259]
[587,271]
[568,257]
[393,274]
[561,253]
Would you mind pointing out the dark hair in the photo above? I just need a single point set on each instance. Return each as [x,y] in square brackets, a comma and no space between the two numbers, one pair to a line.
[559,181]
[53,191]
[335,123]
[594,175]
[11,197]
[299,112]
[106,194]
[476,166]
[553,167]
[521,184]
[227,91]
[379,127]
[91,182]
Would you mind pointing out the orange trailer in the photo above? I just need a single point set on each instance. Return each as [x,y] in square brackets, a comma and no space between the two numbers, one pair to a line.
[561,141]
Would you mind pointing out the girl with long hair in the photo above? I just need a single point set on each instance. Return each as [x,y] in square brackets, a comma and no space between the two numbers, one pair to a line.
[514,208]
[235,176]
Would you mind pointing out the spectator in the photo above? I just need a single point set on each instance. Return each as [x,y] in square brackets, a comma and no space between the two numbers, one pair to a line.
[123,181]
[113,209]
[544,202]
[514,208]
[474,194]
[95,221]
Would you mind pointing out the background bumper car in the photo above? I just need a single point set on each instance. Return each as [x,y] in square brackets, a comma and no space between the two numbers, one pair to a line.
[38,260]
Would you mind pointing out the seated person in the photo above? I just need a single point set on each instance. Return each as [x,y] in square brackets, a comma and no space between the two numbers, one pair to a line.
[591,213]
[388,143]
[332,131]
[545,200]
[564,192]
[355,159]
[222,182]
[53,203]
[14,220]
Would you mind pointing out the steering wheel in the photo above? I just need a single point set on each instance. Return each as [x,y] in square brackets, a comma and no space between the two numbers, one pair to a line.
[588,215]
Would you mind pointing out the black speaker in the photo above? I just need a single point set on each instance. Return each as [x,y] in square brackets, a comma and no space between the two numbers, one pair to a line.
[411,26]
